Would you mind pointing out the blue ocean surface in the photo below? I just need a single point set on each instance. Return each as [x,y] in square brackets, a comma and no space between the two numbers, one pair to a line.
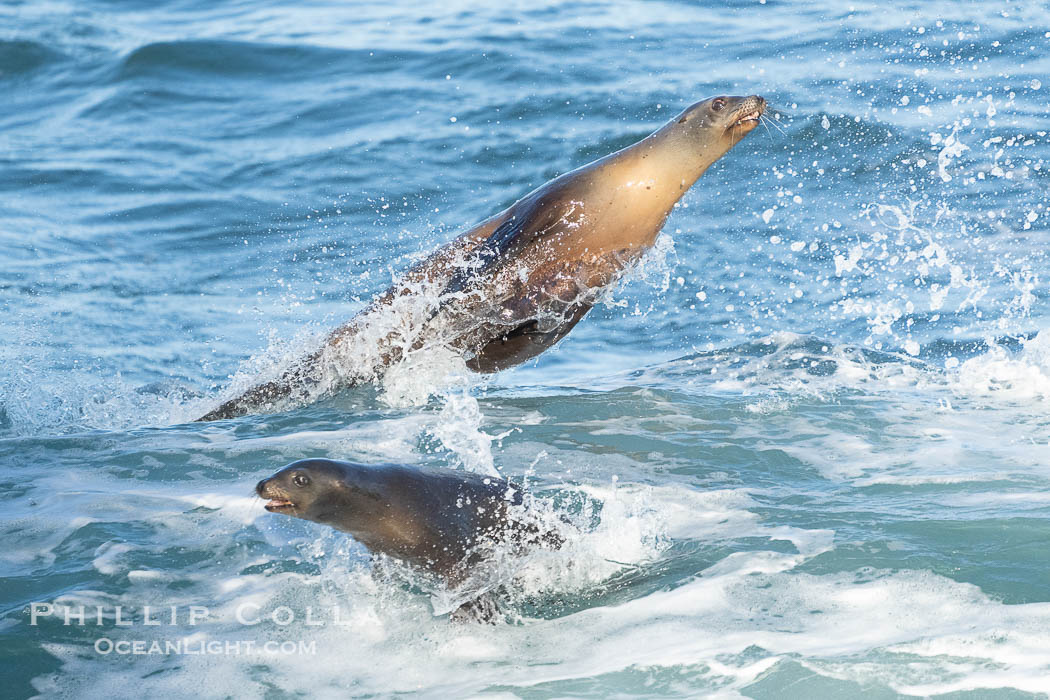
[804,444]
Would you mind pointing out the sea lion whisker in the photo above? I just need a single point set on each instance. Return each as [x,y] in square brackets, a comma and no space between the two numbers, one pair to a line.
[763,123]
[772,122]
[771,114]
[766,122]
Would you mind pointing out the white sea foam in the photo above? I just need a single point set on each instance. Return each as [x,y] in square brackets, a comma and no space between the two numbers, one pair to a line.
[389,439]
[107,557]
[731,621]
[912,632]
[1001,375]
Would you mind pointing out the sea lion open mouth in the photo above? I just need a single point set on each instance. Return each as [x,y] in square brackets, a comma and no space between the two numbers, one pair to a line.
[276,505]
[748,114]
[278,502]
[750,117]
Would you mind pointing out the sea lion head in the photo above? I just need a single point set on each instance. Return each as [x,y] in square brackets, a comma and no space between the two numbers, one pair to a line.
[322,490]
[431,518]
[716,124]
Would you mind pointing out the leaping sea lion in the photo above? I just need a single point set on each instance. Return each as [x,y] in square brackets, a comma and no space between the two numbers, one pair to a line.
[438,520]
[515,284]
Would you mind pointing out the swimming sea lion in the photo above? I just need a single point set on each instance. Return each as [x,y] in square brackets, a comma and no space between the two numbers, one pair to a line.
[515,284]
[438,520]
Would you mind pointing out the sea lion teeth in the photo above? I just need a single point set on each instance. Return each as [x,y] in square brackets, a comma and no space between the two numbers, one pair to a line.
[517,283]
[750,117]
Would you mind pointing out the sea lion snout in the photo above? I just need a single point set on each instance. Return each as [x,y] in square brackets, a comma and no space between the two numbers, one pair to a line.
[750,110]
[278,499]
[753,103]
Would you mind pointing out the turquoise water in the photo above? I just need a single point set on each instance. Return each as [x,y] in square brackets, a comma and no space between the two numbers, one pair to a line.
[805,444]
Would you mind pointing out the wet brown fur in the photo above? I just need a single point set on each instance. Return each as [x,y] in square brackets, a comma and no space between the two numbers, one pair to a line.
[572,237]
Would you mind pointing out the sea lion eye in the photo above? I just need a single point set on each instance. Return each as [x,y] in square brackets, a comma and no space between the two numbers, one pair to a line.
[718,104]
[300,480]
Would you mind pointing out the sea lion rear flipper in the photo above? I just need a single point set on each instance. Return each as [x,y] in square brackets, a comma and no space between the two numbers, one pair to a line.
[293,382]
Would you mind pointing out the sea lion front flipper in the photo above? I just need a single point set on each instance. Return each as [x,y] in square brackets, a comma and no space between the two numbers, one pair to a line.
[499,244]
[524,342]
[527,221]
[484,609]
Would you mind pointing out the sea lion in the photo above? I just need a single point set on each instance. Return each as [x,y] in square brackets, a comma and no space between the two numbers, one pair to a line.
[438,520]
[515,284]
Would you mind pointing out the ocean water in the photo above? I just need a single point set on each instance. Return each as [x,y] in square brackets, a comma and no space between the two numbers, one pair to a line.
[804,446]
